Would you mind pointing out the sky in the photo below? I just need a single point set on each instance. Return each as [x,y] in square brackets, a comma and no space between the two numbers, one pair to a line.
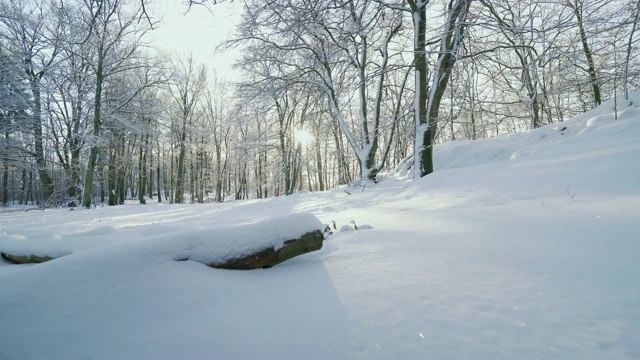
[198,31]
[523,246]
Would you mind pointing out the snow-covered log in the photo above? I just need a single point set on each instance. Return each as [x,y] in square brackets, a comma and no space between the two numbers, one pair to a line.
[247,246]
[258,245]
[269,256]
[25,259]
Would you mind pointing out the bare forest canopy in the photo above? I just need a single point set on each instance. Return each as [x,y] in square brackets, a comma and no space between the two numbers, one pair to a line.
[330,92]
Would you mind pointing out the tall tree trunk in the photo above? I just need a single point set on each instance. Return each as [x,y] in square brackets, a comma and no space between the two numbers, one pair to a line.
[5,175]
[40,156]
[629,47]
[121,189]
[179,198]
[5,185]
[591,68]
[150,183]
[76,146]
[95,148]
[159,185]
[447,56]
[193,176]
[344,174]
[142,174]
[319,168]
[101,184]
[219,172]
[30,191]
[170,185]
[423,152]
[112,178]
[75,179]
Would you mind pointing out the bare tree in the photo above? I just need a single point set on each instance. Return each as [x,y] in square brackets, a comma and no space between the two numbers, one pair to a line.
[578,8]
[69,103]
[186,88]
[292,103]
[635,11]
[113,36]
[427,97]
[14,99]
[526,32]
[32,30]
[217,115]
[340,48]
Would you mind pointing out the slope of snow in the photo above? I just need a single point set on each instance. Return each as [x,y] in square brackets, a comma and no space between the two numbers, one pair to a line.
[525,246]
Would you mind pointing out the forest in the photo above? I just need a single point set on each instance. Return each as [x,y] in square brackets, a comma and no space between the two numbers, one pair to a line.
[332,92]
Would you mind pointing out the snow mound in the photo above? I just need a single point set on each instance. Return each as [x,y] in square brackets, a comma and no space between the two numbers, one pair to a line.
[131,300]
[208,245]
[221,244]
[577,136]
[58,245]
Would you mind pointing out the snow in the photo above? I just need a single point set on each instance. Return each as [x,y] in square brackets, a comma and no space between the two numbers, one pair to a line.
[524,246]
[207,245]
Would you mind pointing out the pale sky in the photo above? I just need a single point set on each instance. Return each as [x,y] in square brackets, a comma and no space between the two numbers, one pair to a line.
[198,31]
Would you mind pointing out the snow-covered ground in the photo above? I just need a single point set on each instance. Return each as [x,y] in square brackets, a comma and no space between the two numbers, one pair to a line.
[526,246]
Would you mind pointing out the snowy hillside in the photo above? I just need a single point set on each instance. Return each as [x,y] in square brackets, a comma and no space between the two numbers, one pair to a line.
[525,246]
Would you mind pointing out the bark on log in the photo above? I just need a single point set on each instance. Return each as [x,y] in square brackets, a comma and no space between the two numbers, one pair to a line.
[266,258]
[25,259]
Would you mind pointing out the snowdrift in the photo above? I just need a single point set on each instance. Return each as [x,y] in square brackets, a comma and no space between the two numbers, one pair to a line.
[251,246]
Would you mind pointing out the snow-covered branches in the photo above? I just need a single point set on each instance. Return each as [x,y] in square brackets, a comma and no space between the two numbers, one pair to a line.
[342,49]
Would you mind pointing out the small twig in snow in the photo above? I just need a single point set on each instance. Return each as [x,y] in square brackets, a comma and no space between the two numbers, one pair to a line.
[571,195]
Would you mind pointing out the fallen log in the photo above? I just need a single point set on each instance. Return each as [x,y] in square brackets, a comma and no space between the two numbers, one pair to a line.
[254,246]
[241,247]
[25,259]
[268,257]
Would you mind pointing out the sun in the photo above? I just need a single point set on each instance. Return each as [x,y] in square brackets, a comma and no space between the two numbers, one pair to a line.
[302,137]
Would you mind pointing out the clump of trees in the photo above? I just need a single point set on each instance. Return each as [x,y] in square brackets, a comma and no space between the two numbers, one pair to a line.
[90,113]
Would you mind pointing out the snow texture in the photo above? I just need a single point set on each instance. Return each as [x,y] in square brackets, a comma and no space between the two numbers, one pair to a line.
[524,246]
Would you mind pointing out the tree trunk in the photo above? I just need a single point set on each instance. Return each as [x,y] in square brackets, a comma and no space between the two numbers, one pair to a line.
[5,185]
[45,179]
[112,179]
[76,146]
[158,183]
[179,198]
[449,46]
[121,187]
[150,174]
[319,168]
[423,152]
[158,178]
[142,175]
[88,177]
[591,68]
[95,149]
[629,47]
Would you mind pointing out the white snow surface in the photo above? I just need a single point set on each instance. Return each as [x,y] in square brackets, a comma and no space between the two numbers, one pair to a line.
[525,246]
[207,245]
